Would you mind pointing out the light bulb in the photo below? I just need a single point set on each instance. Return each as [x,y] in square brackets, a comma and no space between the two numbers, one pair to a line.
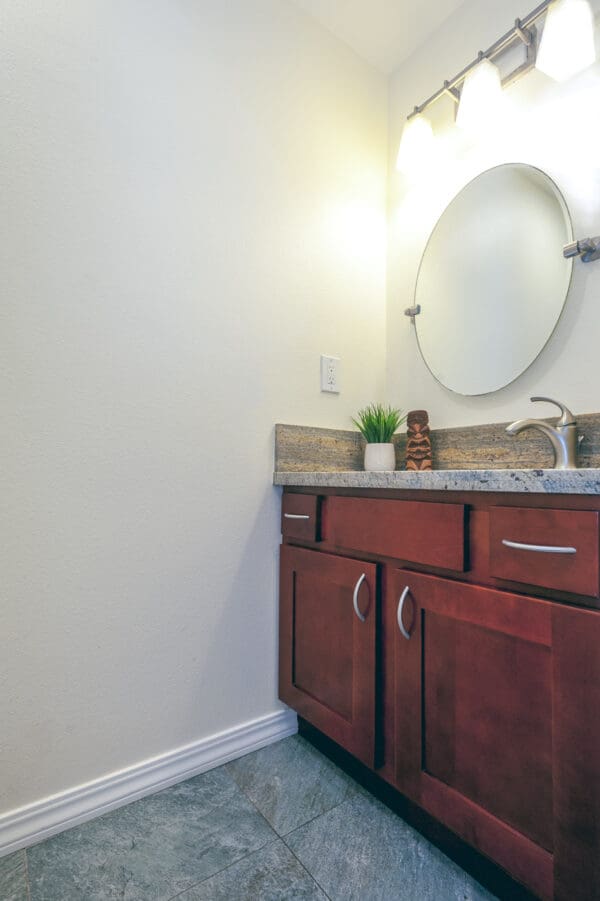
[416,144]
[567,44]
[481,98]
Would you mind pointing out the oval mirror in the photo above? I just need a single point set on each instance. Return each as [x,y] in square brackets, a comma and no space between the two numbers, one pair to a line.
[493,281]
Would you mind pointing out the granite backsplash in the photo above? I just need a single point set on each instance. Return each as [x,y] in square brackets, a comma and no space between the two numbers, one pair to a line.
[307,449]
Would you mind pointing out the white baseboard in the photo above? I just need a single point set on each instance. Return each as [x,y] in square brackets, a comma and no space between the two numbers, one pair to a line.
[27,825]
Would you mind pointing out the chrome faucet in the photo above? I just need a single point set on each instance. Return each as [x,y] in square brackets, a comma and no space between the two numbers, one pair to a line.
[563,436]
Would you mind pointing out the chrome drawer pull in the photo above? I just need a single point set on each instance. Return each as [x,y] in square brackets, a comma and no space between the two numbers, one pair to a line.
[355,598]
[401,603]
[539,548]
[296,516]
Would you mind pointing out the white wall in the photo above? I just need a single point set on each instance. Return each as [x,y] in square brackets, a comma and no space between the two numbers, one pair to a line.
[192,209]
[550,126]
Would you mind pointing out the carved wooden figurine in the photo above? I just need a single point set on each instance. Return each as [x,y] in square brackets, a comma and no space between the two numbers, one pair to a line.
[418,444]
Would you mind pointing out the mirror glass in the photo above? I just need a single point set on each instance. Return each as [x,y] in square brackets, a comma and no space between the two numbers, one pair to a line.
[493,280]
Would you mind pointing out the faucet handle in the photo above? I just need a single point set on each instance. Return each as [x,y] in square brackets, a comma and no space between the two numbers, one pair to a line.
[566,417]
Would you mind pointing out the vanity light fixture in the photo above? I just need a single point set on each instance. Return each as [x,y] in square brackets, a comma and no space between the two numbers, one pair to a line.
[416,145]
[566,47]
[481,96]
[567,44]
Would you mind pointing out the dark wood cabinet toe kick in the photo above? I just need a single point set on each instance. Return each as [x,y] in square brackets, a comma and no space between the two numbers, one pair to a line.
[450,643]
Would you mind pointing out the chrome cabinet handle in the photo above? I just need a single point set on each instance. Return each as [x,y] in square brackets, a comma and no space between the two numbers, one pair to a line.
[296,516]
[401,603]
[355,598]
[539,548]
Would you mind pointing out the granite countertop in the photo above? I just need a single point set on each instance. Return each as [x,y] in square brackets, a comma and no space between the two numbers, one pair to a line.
[533,481]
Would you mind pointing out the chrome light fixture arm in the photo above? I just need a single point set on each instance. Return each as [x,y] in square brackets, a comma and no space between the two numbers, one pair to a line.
[565,46]
[521,31]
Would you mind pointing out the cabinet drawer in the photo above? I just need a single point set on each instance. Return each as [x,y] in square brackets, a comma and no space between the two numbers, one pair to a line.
[416,531]
[552,548]
[299,516]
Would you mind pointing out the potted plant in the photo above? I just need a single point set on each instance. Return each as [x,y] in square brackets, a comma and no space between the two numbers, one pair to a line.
[377,425]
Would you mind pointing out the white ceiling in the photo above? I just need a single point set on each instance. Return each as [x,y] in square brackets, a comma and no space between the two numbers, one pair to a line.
[384,32]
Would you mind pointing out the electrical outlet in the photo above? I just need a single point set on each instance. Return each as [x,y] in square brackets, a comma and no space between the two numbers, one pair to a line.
[330,374]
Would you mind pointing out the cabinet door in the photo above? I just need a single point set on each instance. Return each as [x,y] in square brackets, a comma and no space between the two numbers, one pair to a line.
[576,642]
[327,626]
[474,707]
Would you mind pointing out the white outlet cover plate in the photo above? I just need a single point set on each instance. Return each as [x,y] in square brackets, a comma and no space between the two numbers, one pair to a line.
[330,374]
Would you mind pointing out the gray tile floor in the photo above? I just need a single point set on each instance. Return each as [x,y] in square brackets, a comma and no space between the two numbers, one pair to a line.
[282,823]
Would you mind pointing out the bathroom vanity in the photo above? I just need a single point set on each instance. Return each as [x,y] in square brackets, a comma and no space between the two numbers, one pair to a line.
[450,640]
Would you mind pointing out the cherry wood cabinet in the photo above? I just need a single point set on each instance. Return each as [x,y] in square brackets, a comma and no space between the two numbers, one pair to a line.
[570,538]
[402,529]
[473,689]
[473,684]
[327,667]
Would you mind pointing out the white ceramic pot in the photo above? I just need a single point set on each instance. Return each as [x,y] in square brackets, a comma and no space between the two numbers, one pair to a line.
[380,457]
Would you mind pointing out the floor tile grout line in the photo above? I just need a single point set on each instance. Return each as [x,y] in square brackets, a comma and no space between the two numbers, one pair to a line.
[224,869]
[306,870]
[318,754]
[282,835]
[257,809]
[271,826]
[285,835]
[276,838]
[282,839]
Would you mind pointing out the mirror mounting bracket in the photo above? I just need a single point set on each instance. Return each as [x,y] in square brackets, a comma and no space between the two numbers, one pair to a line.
[587,248]
[413,311]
